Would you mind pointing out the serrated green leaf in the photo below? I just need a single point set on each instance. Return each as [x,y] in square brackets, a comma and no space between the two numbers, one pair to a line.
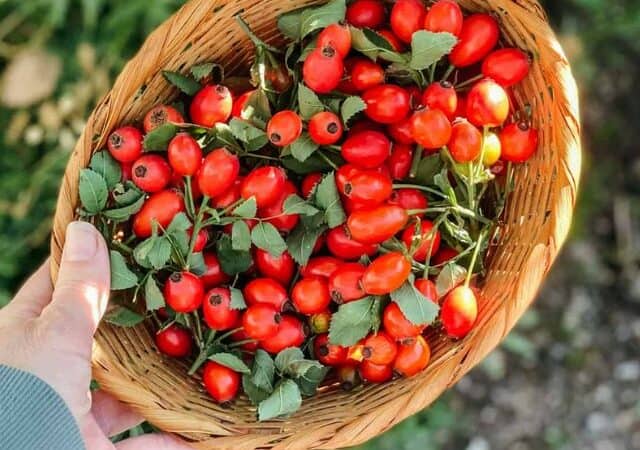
[301,241]
[232,261]
[284,401]
[263,371]
[428,168]
[223,137]
[308,102]
[186,84]
[287,357]
[237,299]
[123,317]
[294,204]
[179,224]
[201,71]
[313,19]
[159,254]
[121,276]
[449,277]
[231,361]
[159,138]
[257,110]
[428,48]
[93,191]
[254,138]
[266,237]
[350,107]
[315,163]
[289,24]
[196,263]
[247,209]
[241,236]
[418,309]
[255,393]
[152,295]
[124,213]
[141,252]
[352,322]
[108,168]
[374,46]
[127,194]
[303,147]
[309,382]
[327,198]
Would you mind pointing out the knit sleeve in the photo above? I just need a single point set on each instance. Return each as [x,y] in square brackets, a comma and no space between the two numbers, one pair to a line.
[33,416]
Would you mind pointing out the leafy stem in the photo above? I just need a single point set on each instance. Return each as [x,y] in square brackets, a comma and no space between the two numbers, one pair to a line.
[474,257]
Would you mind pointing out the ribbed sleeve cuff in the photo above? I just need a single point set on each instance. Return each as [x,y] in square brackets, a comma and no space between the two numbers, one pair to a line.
[33,416]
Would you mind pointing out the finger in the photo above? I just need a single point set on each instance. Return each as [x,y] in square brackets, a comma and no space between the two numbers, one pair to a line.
[155,441]
[82,289]
[34,294]
[112,416]
[93,436]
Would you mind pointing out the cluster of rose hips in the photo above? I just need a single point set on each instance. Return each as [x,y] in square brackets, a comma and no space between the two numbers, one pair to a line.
[287,304]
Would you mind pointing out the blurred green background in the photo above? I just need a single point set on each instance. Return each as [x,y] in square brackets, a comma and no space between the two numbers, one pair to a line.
[566,378]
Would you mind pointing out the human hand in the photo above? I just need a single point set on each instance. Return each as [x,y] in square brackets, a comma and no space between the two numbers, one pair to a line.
[49,332]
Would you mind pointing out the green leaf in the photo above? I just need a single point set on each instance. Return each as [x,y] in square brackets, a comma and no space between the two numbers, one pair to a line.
[152,295]
[287,357]
[328,199]
[301,241]
[428,48]
[428,168]
[141,252]
[289,24]
[179,224]
[196,264]
[449,277]
[123,317]
[159,253]
[457,232]
[294,204]
[159,138]
[127,194]
[309,382]
[308,102]
[231,361]
[313,19]
[201,71]
[263,371]
[93,191]
[237,299]
[374,46]
[253,137]
[257,109]
[352,322]
[415,306]
[121,276]
[284,401]
[232,261]
[255,393]
[223,137]
[266,237]
[350,107]
[247,209]
[186,84]
[124,213]
[315,163]
[303,147]
[108,168]
[241,236]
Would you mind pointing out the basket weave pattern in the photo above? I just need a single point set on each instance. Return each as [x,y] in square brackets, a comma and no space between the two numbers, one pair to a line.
[532,230]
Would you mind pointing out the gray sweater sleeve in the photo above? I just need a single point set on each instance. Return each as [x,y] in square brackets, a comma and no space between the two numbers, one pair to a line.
[33,416]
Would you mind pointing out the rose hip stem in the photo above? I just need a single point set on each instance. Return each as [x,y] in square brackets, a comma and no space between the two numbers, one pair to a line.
[474,257]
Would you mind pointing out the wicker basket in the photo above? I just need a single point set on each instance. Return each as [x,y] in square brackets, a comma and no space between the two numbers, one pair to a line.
[535,225]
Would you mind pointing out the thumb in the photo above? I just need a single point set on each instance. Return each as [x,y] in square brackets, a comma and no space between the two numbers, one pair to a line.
[82,290]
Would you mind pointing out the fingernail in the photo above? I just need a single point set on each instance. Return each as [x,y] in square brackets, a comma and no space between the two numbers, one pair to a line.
[81,243]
